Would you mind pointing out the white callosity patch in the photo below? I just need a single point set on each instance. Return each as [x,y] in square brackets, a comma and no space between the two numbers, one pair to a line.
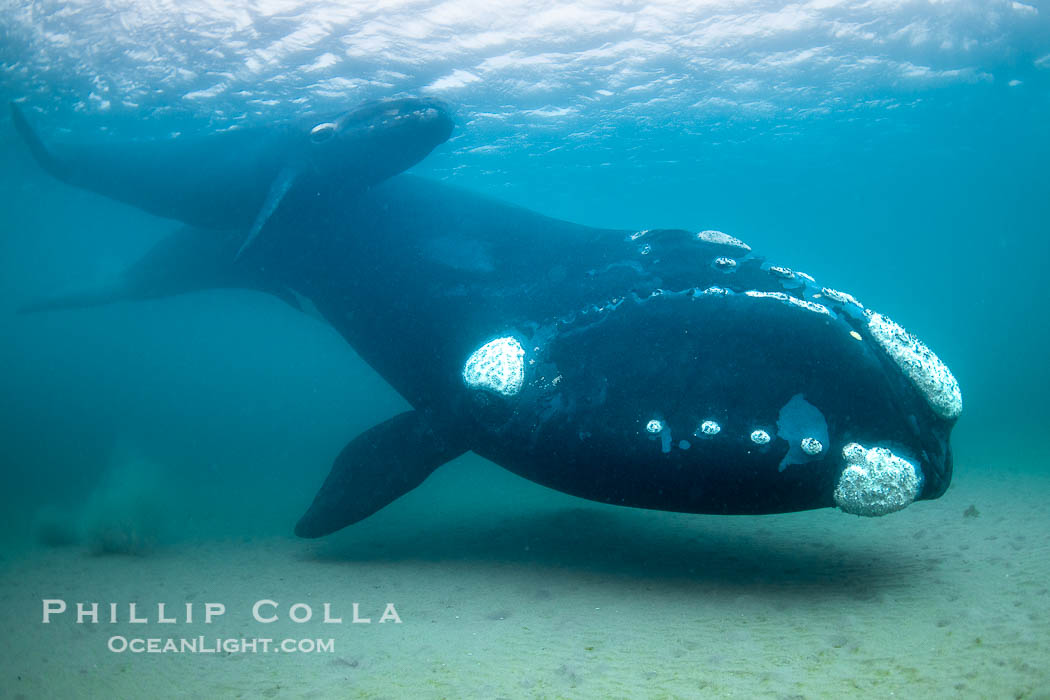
[812,446]
[709,428]
[656,427]
[497,366]
[925,370]
[755,294]
[760,437]
[801,425]
[782,272]
[322,132]
[724,264]
[809,305]
[875,481]
[788,299]
[841,297]
[719,238]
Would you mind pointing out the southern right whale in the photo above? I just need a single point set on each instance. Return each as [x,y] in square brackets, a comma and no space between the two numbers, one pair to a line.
[661,369]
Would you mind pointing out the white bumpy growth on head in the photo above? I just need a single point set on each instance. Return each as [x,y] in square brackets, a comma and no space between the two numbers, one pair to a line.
[812,446]
[709,427]
[719,238]
[925,370]
[760,437]
[875,481]
[497,366]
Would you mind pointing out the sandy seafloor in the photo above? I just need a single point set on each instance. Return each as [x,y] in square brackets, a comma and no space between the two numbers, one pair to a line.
[506,591]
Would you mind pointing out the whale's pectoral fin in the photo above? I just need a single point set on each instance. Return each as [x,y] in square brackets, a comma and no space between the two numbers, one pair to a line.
[278,189]
[79,299]
[378,466]
[187,260]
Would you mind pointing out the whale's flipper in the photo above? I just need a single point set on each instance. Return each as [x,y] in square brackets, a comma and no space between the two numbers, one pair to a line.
[188,260]
[281,184]
[378,466]
[78,299]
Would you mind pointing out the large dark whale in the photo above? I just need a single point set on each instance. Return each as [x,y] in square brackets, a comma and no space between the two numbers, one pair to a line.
[236,179]
[658,369]
[661,369]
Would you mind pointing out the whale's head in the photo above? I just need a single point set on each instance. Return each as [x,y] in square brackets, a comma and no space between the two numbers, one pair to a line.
[757,391]
[377,140]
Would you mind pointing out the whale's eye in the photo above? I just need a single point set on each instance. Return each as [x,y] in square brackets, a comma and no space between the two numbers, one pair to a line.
[322,132]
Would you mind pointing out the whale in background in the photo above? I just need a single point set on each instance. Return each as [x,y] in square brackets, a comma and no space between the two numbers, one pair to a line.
[236,179]
[662,369]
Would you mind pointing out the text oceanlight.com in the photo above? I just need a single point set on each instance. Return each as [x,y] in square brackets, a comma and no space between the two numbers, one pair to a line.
[217,645]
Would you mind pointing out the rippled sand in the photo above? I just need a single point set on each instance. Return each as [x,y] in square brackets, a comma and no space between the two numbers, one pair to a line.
[525,595]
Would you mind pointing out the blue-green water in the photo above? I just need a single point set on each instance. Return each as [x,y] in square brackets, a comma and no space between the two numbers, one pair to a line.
[912,175]
[898,152]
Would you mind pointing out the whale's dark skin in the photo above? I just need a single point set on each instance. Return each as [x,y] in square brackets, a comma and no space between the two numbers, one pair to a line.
[235,180]
[618,329]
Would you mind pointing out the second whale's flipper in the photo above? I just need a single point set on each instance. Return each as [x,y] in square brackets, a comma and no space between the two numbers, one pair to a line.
[378,466]
[281,184]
